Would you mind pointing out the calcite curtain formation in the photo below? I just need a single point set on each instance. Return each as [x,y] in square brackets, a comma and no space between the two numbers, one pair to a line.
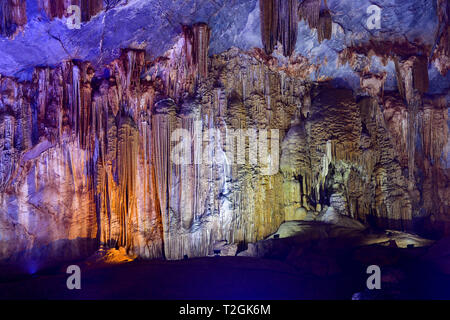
[407,113]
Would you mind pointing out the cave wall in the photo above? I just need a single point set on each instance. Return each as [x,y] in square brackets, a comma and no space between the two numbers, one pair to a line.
[87,159]
[86,150]
[13,17]
[58,8]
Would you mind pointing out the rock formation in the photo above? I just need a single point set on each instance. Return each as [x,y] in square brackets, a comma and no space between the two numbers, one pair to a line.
[12,16]
[279,24]
[168,156]
[58,8]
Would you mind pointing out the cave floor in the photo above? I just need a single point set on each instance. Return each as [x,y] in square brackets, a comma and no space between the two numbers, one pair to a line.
[197,278]
[219,278]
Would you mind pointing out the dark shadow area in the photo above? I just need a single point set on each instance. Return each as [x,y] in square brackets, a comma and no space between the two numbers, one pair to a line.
[319,269]
[45,259]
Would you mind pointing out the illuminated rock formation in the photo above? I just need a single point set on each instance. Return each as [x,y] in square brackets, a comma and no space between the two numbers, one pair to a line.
[163,155]
[341,156]
[318,16]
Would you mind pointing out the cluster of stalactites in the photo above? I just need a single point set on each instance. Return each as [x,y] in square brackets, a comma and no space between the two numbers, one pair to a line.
[125,203]
[441,52]
[279,23]
[69,100]
[126,78]
[12,16]
[58,8]
[317,16]
[196,47]
[183,67]
[64,103]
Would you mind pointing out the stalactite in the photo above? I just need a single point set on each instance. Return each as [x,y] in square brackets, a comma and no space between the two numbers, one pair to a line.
[201,34]
[420,74]
[431,136]
[373,83]
[48,107]
[317,16]
[81,108]
[269,24]
[324,28]
[13,16]
[412,75]
[279,24]
[309,10]
[54,8]
[7,150]
[126,87]
[183,67]
[58,8]
[129,208]
[113,136]
[288,25]
[188,36]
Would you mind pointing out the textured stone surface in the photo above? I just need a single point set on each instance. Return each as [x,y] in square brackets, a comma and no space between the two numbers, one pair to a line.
[155,27]
[13,17]
[86,144]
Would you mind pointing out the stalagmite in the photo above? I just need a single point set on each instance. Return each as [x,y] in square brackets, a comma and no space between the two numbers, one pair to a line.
[269,24]
[89,150]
